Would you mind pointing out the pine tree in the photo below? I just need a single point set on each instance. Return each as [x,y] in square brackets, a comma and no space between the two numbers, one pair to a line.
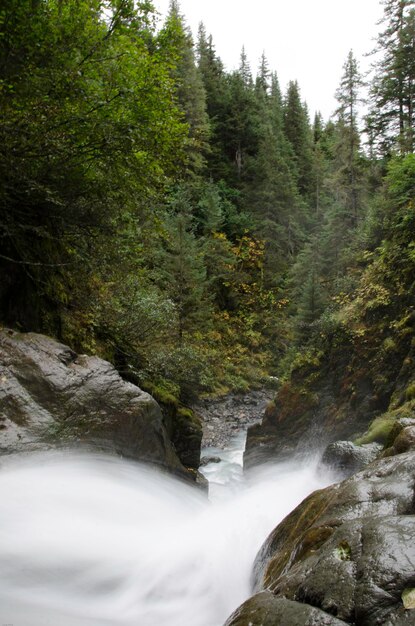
[181,272]
[308,290]
[272,192]
[348,141]
[244,70]
[189,84]
[216,86]
[218,258]
[264,75]
[240,125]
[320,168]
[297,131]
[393,87]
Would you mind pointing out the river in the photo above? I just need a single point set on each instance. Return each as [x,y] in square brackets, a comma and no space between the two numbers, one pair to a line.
[88,540]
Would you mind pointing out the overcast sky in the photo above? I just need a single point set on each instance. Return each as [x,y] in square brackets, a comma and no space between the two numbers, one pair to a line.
[304,40]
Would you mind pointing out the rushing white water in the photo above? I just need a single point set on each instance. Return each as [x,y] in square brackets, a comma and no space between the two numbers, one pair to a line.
[87,540]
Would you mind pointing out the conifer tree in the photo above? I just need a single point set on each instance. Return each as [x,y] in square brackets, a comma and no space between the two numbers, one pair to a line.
[348,142]
[308,290]
[393,87]
[216,87]
[264,75]
[181,271]
[240,126]
[189,84]
[297,131]
[320,169]
[218,258]
[272,194]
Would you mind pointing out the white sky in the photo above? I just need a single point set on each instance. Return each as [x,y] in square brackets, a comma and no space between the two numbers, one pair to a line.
[304,40]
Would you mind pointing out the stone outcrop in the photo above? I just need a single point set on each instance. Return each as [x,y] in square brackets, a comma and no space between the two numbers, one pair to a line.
[225,416]
[268,610]
[336,391]
[301,417]
[49,396]
[345,555]
[346,458]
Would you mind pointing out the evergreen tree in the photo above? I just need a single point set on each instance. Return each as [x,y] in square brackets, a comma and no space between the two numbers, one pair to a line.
[297,131]
[264,75]
[308,289]
[189,84]
[244,70]
[219,260]
[240,126]
[320,169]
[181,271]
[348,175]
[272,195]
[216,87]
[393,89]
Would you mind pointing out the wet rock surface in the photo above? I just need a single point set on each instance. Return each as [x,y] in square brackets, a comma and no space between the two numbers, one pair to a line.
[347,550]
[402,437]
[316,414]
[223,417]
[49,396]
[346,458]
[268,610]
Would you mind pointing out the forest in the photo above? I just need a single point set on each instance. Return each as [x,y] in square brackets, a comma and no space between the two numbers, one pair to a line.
[191,224]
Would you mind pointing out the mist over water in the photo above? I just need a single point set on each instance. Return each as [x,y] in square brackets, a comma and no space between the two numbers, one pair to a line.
[87,540]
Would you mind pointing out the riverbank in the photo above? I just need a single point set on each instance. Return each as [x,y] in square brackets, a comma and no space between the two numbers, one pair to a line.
[223,417]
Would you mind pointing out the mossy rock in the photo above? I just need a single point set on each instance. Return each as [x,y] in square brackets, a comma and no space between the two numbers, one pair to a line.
[386,427]
[295,535]
[264,609]
[379,430]
[408,599]
[410,391]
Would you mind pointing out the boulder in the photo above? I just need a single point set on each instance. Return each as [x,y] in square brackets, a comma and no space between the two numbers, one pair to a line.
[401,438]
[268,610]
[346,458]
[347,550]
[50,395]
[206,460]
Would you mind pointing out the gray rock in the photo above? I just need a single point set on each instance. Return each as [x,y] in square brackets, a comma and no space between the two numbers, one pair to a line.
[49,395]
[347,458]
[348,550]
[402,437]
[222,416]
[267,610]
[205,460]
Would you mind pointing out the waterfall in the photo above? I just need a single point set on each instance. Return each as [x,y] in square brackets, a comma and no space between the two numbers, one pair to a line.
[88,540]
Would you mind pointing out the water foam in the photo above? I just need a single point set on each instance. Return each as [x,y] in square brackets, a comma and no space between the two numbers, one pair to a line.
[87,540]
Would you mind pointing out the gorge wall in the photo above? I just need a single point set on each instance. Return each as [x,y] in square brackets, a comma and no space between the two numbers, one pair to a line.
[50,396]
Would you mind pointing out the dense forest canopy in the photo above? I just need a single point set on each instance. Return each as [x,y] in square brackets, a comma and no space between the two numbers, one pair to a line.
[191,224]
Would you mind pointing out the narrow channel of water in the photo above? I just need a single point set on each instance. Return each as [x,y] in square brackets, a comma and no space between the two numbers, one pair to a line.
[87,540]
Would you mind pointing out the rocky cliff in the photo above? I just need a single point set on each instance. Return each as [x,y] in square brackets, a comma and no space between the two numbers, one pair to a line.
[49,396]
[336,391]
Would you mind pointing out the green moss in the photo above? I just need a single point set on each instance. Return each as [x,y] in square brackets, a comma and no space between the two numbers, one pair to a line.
[185,413]
[378,431]
[163,391]
[296,538]
[410,391]
[408,598]
[343,551]
[389,344]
